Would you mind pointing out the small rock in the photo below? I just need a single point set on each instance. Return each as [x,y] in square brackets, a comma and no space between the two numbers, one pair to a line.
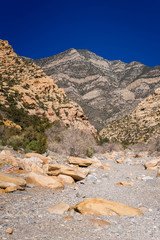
[9,230]
[124,183]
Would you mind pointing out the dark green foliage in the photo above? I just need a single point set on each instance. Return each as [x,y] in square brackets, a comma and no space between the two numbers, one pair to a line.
[125,144]
[89,152]
[32,137]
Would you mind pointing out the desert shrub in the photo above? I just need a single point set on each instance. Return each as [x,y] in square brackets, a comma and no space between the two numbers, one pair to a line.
[32,133]
[15,141]
[89,152]
[125,144]
[71,141]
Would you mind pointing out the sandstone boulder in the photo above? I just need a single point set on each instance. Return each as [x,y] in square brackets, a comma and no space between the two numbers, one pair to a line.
[102,207]
[82,162]
[13,188]
[56,169]
[7,159]
[45,160]
[32,164]
[66,179]
[18,181]
[44,181]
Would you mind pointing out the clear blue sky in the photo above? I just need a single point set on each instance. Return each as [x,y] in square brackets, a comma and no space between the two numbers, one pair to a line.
[117,29]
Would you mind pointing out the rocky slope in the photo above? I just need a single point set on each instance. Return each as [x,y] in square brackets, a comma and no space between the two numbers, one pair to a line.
[106,90]
[25,86]
[139,126]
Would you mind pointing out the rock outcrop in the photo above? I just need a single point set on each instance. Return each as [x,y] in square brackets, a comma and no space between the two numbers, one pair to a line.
[25,86]
[139,126]
[106,90]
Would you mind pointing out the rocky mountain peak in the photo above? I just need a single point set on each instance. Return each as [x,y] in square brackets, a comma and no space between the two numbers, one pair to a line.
[106,90]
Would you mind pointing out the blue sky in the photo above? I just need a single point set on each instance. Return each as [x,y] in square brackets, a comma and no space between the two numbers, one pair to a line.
[124,30]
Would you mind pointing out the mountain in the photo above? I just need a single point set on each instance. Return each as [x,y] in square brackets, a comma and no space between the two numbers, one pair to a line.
[28,95]
[139,126]
[106,90]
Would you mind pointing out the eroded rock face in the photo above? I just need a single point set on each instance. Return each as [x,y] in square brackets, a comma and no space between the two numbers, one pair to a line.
[102,207]
[31,89]
[106,90]
[139,126]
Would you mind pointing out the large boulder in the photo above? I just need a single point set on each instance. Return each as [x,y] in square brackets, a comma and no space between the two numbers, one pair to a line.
[7,159]
[45,160]
[66,179]
[102,207]
[44,181]
[56,169]
[82,162]
[32,164]
[18,181]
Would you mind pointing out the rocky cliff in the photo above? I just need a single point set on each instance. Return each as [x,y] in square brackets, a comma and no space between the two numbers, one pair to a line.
[24,85]
[139,126]
[106,90]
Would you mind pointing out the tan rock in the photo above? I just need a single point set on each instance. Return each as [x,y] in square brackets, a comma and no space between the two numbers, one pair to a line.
[69,217]
[152,165]
[7,159]
[9,230]
[82,162]
[60,208]
[124,183]
[6,184]
[56,169]
[44,181]
[32,164]
[18,181]
[37,155]
[53,167]
[11,189]
[102,207]
[66,179]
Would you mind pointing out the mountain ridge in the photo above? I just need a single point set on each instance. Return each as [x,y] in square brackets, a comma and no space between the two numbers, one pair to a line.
[106,90]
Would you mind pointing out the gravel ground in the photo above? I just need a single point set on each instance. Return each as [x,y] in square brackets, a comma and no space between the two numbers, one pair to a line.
[26,212]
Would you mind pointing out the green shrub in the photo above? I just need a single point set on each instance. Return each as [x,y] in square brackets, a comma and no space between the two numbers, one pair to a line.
[89,152]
